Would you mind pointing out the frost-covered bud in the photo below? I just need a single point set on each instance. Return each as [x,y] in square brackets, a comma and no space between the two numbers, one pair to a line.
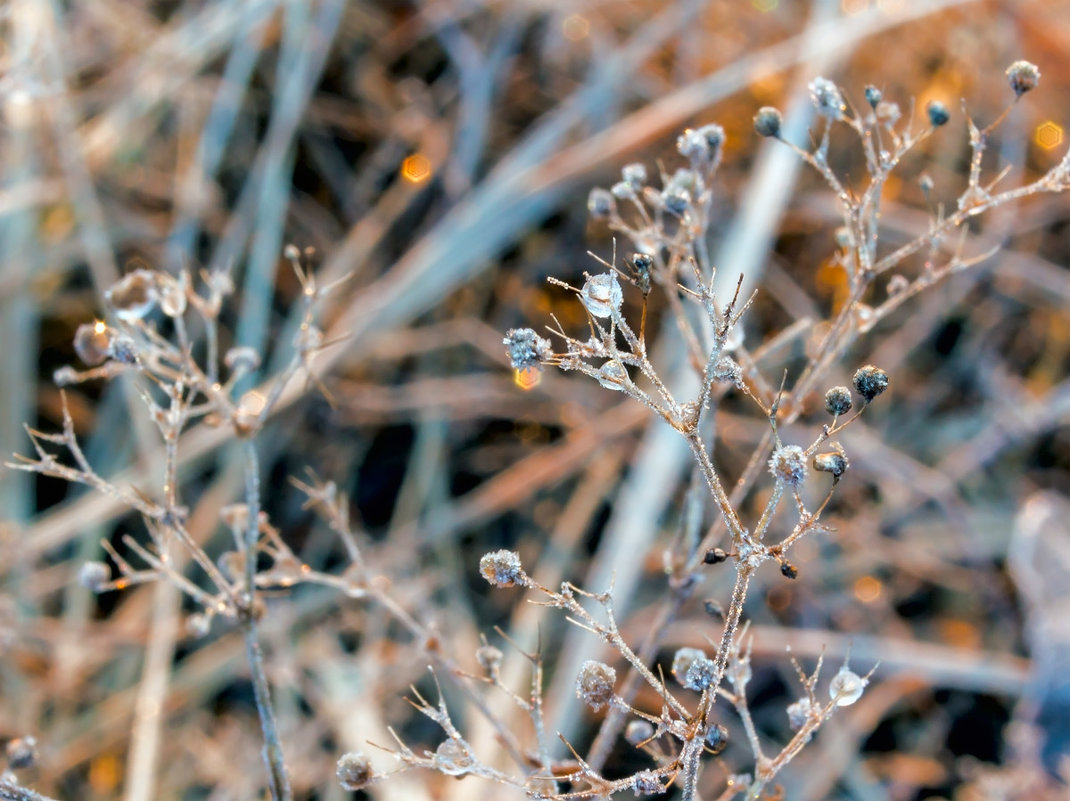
[692,145]
[502,568]
[701,674]
[634,174]
[241,358]
[873,96]
[602,295]
[888,113]
[133,296]
[846,687]
[716,738]
[452,758]
[123,349]
[172,294]
[94,576]
[676,201]
[870,381]
[198,625]
[838,401]
[682,661]
[613,376]
[714,136]
[1023,76]
[767,121]
[489,658]
[594,684]
[925,181]
[799,713]
[622,190]
[91,343]
[647,782]
[788,570]
[354,771]
[788,465]
[938,113]
[826,97]
[600,203]
[526,349]
[21,753]
[638,732]
[642,264]
[834,462]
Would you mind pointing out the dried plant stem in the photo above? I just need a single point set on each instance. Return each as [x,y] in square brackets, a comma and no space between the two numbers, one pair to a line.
[280,781]
[12,792]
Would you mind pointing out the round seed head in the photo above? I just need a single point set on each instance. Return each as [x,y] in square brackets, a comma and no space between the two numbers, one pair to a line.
[602,295]
[873,96]
[354,771]
[870,381]
[91,343]
[826,97]
[799,713]
[682,661]
[714,556]
[647,782]
[834,462]
[838,401]
[594,684]
[714,136]
[502,568]
[634,174]
[600,203]
[622,190]
[700,675]
[767,121]
[21,753]
[94,576]
[692,145]
[788,570]
[716,738]
[1023,76]
[938,113]
[788,465]
[526,349]
[489,658]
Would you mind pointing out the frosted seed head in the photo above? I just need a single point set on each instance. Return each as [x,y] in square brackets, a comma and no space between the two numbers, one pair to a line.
[838,401]
[601,295]
[594,684]
[788,465]
[716,738]
[91,343]
[354,771]
[887,113]
[94,576]
[502,568]
[834,462]
[798,713]
[489,658]
[938,113]
[647,782]
[1023,76]
[692,145]
[634,174]
[714,136]
[682,661]
[21,753]
[526,349]
[873,96]
[827,100]
[242,358]
[870,381]
[767,121]
[788,570]
[700,675]
[727,371]
[600,203]
[846,687]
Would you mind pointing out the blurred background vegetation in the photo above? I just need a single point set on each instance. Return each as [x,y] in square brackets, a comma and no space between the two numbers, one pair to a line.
[440,154]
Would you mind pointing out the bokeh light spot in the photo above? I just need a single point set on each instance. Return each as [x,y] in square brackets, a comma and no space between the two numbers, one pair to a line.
[527,379]
[1048,135]
[416,168]
[764,5]
[575,27]
[868,589]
